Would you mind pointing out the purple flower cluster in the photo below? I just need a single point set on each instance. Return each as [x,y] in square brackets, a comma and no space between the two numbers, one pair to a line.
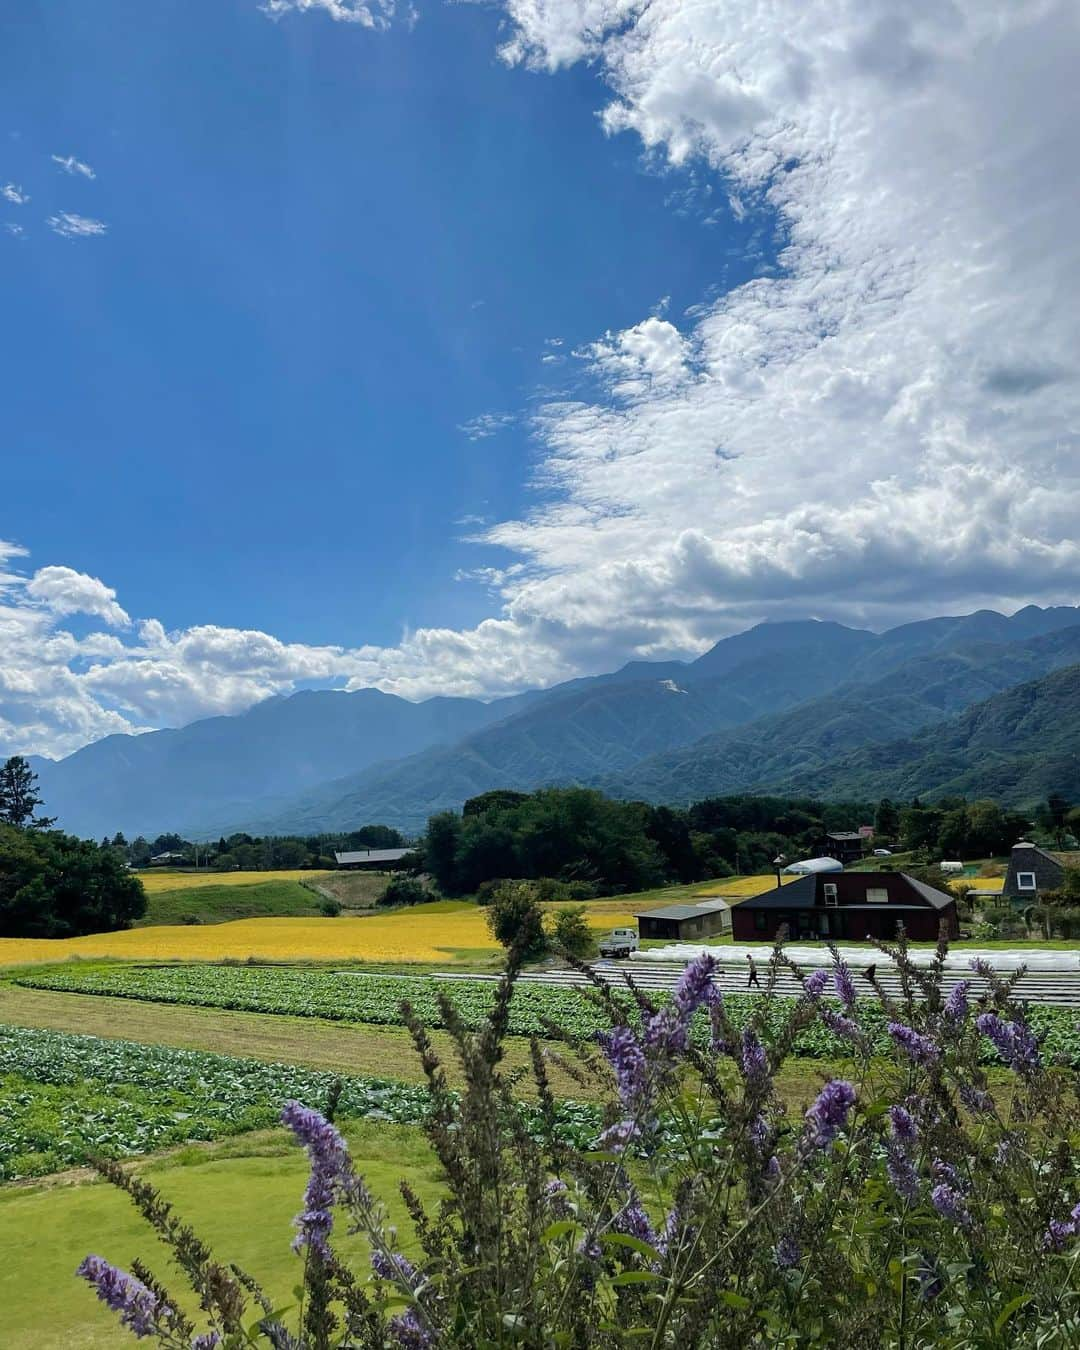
[393,1266]
[903,1125]
[920,1048]
[975,1099]
[752,1057]
[1014,1041]
[839,1025]
[140,1309]
[829,1113]
[331,1175]
[787,1252]
[1060,1230]
[695,988]
[634,1222]
[844,984]
[408,1331]
[956,1005]
[209,1340]
[950,1204]
[815,983]
[627,1059]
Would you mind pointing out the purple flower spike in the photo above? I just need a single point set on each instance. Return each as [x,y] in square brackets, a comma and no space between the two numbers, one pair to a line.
[1013,1041]
[956,1005]
[1057,1235]
[844,985]
[902,1174]
[331,1175]
[840,1026]
[920,1048]
[949,1203]
[140,1310]
[393,1266]
[634,1222]
[754,1061]
[627,1059]
[815,982]
[787,1252]
[903,1126]
[408,1331]
[209,1340]
[829,1113]
[695,987]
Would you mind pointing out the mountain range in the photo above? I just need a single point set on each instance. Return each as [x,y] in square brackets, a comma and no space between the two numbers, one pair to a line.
[819,708]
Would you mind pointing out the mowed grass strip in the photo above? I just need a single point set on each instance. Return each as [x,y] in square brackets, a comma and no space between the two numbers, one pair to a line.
[159,879]
[217,903]
[240,1195]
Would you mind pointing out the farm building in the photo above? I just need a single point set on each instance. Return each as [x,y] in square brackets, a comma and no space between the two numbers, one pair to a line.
[853,905]
[1033,870]
[685,923]
[847,846]
[376,858]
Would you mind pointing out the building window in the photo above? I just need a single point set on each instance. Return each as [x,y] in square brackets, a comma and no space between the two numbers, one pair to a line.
[877,895]
[1025,881]
[829,889]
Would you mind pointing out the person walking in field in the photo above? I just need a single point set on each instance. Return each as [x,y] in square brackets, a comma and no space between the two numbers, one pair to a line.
[752,981]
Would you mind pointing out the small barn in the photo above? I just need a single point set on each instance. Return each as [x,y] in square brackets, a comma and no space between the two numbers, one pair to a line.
[685,923]
[377,859]
[852,905]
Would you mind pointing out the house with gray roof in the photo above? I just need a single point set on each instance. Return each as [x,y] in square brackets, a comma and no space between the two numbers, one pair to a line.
[1033,870]
[686,923]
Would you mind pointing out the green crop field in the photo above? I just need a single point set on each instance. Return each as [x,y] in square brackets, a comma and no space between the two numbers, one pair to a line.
[219,902]
[241,1195]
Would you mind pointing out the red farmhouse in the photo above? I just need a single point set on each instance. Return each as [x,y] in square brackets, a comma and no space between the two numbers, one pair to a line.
[853,905]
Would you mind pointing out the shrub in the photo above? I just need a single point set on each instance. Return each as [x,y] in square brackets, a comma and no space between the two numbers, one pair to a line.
[190,920]
[403,890]
[331,908]
[910,1205]
[570,933]
[515,920]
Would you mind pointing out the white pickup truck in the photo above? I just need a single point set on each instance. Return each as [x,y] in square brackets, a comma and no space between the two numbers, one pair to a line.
[619,943]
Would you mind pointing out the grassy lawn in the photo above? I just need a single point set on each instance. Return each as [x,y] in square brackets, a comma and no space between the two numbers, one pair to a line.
[240,1194]
[217,902]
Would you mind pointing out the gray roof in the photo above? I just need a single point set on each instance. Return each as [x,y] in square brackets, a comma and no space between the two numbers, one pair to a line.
[853,835]
[371,855]
[802,894]
[706,906]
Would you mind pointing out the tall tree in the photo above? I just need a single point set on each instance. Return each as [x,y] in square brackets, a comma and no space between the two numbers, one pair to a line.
[886,819]
[19,796]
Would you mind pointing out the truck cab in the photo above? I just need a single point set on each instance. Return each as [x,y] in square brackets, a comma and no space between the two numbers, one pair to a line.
[619,943]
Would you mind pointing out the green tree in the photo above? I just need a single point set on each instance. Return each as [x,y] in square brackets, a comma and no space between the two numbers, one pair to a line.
[514,918]
[440,849]
[19,796]
[404,891]
[571,933]
[886,819]
[53,885]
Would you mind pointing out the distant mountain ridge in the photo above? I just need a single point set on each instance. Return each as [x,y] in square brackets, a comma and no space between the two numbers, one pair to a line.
[770,706]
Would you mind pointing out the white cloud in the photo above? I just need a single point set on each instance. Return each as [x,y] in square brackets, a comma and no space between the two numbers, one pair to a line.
[65,591]
[71,226]
[10,227]
[13,194]
[887,426]
[376,14]
[73,166]
[487,424]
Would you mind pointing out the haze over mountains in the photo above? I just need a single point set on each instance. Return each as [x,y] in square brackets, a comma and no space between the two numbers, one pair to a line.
[813,707]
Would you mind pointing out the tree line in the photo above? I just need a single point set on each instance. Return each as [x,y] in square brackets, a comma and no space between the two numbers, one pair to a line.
[251,852]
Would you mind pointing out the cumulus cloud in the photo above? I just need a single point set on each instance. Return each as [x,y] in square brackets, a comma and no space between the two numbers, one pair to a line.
[376,14]
[885,426]
[73,166]
[15,195]
[71,226]
[65,591]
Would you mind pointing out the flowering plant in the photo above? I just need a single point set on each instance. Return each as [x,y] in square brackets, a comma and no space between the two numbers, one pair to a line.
[917,1200]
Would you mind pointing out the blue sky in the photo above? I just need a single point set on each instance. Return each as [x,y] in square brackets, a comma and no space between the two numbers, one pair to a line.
[469,348]
[327,250]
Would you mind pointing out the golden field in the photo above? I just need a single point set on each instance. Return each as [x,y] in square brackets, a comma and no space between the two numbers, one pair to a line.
[425,933]
[154,880]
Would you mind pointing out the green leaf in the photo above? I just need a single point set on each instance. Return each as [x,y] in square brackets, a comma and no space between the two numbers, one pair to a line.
[734,1300]
[558,1230]
[1012,1306]
[633,1277]
[635,1245]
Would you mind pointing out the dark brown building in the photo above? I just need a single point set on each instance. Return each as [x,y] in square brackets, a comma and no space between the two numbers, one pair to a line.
[846,846]
[852,905]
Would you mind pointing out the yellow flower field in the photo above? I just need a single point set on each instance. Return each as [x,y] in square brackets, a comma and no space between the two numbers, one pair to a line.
[154,879]
[432,933]
[743,886]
